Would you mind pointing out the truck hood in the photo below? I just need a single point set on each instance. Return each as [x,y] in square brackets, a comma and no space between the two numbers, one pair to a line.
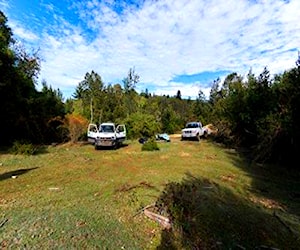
[106,134]
[189,129]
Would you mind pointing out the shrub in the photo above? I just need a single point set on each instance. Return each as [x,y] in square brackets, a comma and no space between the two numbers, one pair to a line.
[23,148]
[77,126]
[150,145]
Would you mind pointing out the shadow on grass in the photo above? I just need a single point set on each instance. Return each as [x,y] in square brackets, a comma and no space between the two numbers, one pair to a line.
[41,150]
[16,173]
[103,148]
[278,184]
[205,215]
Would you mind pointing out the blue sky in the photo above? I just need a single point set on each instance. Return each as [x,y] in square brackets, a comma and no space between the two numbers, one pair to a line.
[172,44]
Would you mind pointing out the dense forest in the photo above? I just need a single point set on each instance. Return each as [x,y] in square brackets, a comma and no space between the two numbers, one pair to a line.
[258,114]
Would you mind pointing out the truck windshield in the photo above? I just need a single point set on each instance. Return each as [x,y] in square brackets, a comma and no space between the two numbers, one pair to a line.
[107,128]
[192,125]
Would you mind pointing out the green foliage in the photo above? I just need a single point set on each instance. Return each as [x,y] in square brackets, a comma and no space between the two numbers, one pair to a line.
[202,109]
[23,148]
[256,113]
[46,116]
[142,125]
[284,118]
[150,145]
[260,114]
[168,120]
[26,113]
[90,92]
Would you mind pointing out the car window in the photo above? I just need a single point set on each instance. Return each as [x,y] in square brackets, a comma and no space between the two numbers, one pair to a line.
[192,125]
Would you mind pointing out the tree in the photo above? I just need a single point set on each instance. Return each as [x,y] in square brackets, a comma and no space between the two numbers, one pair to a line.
[145,93]
[215,93]
[130,98]
[131,80]
[283,125]
[18,70]
[178,95]
[141,125]
[26,114]
[91,92]
[168,120]
[201,108]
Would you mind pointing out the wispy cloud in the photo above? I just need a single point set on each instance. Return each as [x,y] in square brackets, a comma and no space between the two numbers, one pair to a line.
[22,33]
[168,38]
[4,5]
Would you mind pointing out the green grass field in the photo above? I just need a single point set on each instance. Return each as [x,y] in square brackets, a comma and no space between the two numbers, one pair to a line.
[75,197]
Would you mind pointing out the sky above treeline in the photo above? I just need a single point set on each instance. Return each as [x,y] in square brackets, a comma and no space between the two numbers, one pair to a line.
[171,44]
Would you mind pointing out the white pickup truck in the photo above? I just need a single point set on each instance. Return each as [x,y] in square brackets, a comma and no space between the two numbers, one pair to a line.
[106,135]
[193,130]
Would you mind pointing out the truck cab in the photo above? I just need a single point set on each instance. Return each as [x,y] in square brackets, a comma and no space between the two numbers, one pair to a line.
[106,135]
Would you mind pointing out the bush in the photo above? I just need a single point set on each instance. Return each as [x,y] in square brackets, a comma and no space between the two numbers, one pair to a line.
[150,145]
[77,127]
[23,148]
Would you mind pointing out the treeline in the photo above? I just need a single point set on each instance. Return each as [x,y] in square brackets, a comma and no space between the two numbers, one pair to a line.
[259,114]
[26,114]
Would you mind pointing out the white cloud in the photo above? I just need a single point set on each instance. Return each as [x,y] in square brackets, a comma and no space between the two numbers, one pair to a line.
[23,33]
[170,37]
[187,91]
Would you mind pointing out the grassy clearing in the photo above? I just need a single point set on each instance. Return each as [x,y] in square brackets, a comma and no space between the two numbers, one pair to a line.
[71,196]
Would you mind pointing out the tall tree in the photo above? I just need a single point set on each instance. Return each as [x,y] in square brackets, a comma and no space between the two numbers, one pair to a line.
[201,108]
[131,80]
[47,113]
[91,93]
[130,98]
[178,94]
[215,93]
[17,77]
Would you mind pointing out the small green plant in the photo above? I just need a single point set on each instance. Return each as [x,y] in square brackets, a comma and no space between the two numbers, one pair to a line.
[150,145]
[23,148]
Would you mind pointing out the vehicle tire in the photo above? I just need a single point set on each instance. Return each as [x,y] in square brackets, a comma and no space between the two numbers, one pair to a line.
[198,137]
